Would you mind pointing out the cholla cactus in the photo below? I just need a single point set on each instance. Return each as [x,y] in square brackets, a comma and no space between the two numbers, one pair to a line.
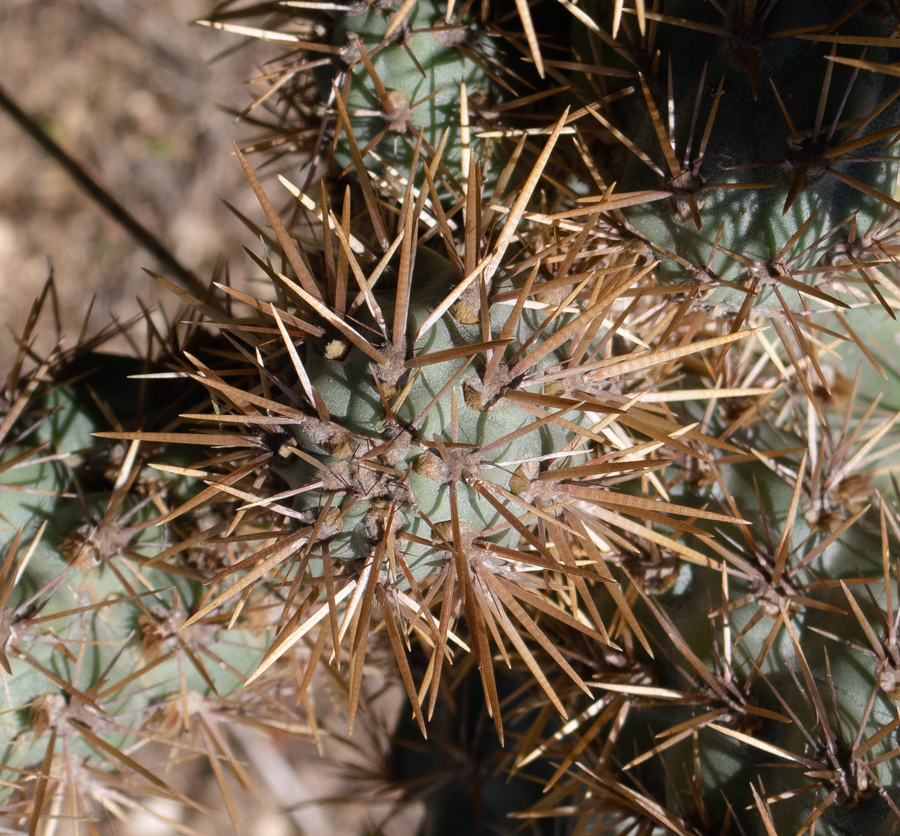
[500,404]
[433,422]
[95,585]
[753,143]
[411,81]
[736,624]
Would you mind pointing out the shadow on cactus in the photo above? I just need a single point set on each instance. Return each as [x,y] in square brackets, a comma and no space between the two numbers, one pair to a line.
[747,136]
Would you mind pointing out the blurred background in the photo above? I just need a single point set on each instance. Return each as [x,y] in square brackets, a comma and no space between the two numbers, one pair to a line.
[137,94]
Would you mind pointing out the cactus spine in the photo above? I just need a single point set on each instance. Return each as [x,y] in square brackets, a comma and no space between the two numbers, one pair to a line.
[598,430]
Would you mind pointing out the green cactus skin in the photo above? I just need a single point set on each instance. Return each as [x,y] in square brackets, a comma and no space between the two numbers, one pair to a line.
[91,661]
[448,55]
[423,494]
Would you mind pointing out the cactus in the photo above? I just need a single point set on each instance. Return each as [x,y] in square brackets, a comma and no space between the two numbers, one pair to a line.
[389,95]
[631,458]
[95,586]
[687,713]
[746,94]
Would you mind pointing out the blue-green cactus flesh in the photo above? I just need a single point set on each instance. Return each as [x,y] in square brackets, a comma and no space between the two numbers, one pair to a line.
[418,488]
[90,659]
[421,66]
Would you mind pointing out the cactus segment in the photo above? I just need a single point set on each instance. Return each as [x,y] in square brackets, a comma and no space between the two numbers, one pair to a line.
[410,81]
[93,665]
[457,415]
[766,148]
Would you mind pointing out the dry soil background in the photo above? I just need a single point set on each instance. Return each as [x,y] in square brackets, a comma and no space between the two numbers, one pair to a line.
[132,91]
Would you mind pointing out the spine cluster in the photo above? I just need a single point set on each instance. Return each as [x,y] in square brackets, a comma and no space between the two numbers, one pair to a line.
[569,393]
